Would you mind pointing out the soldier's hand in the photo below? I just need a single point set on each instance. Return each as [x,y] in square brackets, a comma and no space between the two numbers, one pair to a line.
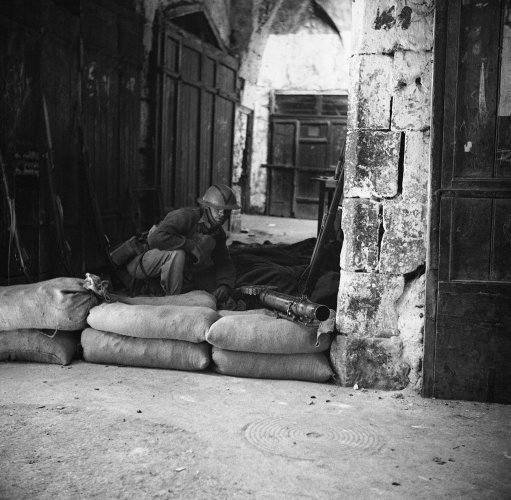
[222,294]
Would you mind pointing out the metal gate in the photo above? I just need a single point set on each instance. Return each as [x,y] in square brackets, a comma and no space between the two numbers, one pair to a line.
[468,327]
[196,95]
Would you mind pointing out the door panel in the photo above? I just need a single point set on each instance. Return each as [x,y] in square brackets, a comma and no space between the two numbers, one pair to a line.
[224,128]
[310,147]
[186,174]
[199,91]
[283,143]
[281,186]
[468,331]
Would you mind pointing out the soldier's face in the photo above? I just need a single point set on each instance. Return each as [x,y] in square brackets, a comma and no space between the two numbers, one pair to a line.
[219,215]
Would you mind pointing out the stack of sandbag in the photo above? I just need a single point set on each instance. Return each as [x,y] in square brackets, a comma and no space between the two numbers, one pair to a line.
[260,345]
[42,321]
[152,332]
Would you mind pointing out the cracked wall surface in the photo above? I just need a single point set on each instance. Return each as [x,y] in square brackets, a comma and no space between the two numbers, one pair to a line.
[382,286]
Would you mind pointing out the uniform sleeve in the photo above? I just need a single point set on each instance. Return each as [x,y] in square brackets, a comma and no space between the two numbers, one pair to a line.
[225,271]
[171,233]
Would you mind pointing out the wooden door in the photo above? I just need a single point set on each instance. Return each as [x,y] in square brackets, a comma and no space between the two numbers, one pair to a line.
[197,91]
[468,328]
[112,40]
[306,135]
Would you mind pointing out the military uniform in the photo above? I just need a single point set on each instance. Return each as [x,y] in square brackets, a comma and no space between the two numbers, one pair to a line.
[186,253]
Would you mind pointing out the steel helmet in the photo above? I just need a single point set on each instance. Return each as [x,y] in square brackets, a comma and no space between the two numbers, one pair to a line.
[219,196]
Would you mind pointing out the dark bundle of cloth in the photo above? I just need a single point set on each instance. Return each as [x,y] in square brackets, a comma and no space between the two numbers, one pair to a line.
[281,265]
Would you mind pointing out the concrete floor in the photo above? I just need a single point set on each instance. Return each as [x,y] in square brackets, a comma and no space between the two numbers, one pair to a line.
[261,228]
[111,432]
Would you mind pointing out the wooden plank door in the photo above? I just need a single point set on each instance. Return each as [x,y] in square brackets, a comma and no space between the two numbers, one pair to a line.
[197,86]
[306,134]
[468,328]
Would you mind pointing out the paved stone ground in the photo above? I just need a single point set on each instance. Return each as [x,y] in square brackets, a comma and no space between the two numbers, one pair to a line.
[112,432]
[261,228]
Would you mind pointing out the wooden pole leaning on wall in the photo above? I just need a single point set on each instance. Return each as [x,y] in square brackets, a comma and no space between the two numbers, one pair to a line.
[14,238]
[56,202]
[309,276]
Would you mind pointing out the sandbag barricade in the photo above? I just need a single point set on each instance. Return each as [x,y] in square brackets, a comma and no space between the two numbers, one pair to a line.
[198,298]
[111,348]
[308,367]
[262,345]
[56,304]
[266,333]
[154,336]
[37,346]
[153,322]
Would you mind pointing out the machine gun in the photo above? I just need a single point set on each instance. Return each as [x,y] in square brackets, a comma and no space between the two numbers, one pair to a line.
[297,308]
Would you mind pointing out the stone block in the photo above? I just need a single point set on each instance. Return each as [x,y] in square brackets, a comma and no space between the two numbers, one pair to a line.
[403,246]
[372,164]
[412,77]
[369,99]
[416,166]
[366,304]
[338,359]
[375,363]
[410,308]
[360,224]
[384,26]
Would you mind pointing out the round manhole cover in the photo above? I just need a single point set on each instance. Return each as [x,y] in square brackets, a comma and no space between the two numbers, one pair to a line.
[312,438]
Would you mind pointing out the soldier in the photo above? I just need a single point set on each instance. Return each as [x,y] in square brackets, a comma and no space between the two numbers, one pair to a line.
[187,249]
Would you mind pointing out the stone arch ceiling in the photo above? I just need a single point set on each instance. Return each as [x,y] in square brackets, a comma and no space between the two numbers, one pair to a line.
[279,17]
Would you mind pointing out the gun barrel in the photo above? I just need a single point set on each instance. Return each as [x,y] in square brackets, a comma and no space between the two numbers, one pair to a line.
[303,308]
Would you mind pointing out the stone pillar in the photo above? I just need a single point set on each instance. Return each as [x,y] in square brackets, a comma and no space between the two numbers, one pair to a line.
[381,289]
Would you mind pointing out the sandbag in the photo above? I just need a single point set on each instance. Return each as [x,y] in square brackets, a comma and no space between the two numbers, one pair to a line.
[226,312]
[39,347]
[153,322]
[266,334]
[111,348]
[309,367]
[60,303]
[199,298]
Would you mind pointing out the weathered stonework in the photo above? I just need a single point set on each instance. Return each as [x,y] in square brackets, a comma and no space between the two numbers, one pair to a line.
[376,363]
[403,246]
[389,94]
[372,164]
[416,166]
[412,77]
[410,307]
[384,26]
[338,359]
[366,305]
[360,224]
[369,99]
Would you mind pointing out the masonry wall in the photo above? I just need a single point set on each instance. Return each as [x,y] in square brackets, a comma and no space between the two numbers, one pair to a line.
[382,285]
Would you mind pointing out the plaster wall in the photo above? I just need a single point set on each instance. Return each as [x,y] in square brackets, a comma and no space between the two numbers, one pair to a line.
[381,289]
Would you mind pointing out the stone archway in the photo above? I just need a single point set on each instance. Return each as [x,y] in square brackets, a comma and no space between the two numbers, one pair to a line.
[269,63]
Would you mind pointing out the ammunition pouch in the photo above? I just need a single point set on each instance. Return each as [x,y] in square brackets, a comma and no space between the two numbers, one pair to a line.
[128,250]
